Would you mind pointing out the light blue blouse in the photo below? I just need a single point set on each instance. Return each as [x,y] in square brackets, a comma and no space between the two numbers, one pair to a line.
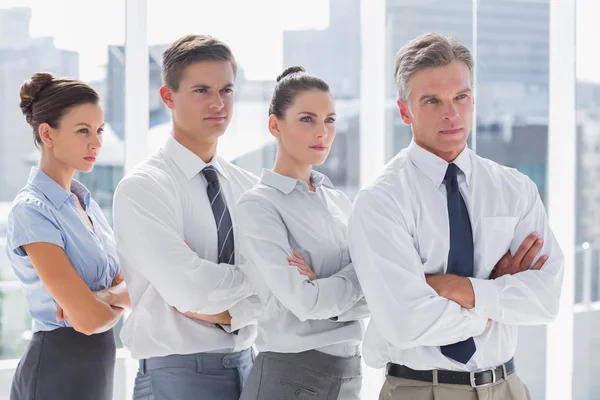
[45,212]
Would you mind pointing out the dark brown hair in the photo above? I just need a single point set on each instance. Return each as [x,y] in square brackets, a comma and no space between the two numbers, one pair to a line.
[191,49]
[46,99]
[293,80]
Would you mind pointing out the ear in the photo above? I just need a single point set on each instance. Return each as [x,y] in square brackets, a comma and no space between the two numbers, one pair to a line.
[274,126]
[166,94]
[404,112]
[45,132]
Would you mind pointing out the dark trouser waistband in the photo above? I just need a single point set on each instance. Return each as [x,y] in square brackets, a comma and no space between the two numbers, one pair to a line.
[474,379]
[200,362]
[336,367]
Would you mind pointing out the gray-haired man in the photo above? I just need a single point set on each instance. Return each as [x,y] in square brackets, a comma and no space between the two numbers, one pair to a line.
[431,240]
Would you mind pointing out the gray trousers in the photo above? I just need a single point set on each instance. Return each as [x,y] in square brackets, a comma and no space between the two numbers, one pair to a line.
[309,375]
[406,389]
[64,364]
[206,376]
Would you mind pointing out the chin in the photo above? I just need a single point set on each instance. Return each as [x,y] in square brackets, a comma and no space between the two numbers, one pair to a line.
[317,161]
[85,168]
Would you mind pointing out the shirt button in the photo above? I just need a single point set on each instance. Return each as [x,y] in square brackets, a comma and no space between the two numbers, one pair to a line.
[227,362]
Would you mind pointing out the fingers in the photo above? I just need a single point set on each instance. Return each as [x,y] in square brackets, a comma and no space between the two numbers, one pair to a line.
[524,248]
[296,254]
[530,255]
[303,268]
[505,258]
[311,275]
[118,279]
[540,263]
[298,263]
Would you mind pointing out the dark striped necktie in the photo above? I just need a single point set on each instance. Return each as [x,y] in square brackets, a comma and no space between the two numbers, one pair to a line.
[222,218]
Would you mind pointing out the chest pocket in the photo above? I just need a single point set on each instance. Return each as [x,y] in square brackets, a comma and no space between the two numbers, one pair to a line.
[494,237]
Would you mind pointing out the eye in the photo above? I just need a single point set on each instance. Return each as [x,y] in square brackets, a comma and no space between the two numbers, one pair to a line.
[200,90]
[227,90]
[84,130]
[431,101]
[306,119]
[101,130]
[461,96]
[330,120]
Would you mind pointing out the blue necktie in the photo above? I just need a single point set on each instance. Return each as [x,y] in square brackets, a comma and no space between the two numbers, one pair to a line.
[460,256]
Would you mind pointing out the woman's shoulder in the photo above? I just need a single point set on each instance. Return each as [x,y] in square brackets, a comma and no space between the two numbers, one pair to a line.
[30,203]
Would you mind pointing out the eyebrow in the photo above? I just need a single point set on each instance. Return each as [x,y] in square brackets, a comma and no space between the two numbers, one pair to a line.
[88,125]
[427,96]
[201,86]
[312,114]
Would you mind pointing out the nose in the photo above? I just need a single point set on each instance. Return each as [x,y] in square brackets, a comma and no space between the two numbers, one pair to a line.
[451,112]
[96,142]
[216,102]
[321,131]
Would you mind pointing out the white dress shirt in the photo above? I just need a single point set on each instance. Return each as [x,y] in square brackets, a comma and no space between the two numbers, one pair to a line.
[324,314]
[161,203]
[399,232]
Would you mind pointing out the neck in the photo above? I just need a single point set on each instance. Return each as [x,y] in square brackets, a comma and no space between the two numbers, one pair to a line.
[285,165]
[58,172]
[447,156]
[205,149]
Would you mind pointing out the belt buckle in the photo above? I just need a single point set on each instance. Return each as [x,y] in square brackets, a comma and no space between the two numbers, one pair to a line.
[475,385]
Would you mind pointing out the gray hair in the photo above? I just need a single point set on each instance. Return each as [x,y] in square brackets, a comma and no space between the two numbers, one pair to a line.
[429,50]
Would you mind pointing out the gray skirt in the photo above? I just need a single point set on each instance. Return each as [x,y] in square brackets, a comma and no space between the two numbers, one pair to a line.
[308,375]
[64,364]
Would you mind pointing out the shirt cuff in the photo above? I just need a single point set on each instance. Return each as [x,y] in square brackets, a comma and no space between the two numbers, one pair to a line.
[486,297]
[350,274]
[359,311]
[244,313]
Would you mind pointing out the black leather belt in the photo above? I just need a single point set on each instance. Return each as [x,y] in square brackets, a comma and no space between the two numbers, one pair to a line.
[474,379]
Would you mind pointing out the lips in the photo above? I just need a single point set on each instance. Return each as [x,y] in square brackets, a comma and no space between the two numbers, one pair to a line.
[90,159]
[319,148]
[451,131]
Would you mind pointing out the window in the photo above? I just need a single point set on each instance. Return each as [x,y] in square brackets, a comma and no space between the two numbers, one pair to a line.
[39,36]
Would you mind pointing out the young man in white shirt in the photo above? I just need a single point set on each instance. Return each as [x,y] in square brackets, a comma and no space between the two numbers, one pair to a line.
[431,240]
[194,315]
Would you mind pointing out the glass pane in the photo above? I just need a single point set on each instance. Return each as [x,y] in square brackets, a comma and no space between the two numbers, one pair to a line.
[512,119]
[586,345]
[37,35]
[307,36]
[407,19]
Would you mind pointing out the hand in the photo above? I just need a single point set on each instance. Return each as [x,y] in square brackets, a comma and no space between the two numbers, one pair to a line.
[453,287]
[106,296]
[223,318]
[509,265]
[60,314]
[117,280]
[298,261]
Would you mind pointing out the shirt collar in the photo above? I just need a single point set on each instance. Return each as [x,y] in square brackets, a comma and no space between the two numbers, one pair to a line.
[188,162]
[287,184]
[56,193]
[435,167]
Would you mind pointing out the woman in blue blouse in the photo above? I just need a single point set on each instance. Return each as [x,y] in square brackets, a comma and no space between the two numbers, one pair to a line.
[61,249]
